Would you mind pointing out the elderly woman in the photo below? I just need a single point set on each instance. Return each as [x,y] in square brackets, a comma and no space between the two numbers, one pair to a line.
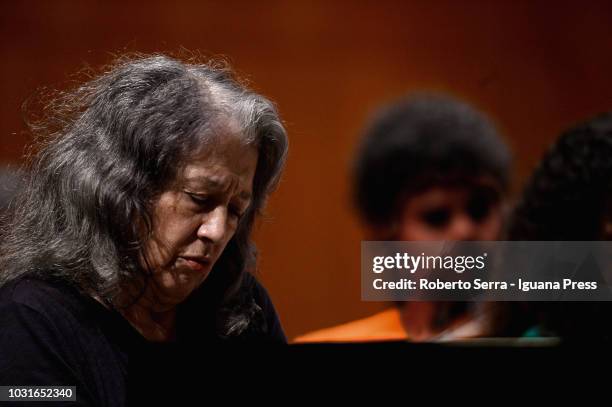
[135,223]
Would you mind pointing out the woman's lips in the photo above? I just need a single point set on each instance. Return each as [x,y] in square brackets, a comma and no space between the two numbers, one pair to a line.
[196,264]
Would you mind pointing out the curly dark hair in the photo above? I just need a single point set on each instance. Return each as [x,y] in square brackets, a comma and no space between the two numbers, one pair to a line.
[567,199]
[420,141]
[568,195]
[112,145]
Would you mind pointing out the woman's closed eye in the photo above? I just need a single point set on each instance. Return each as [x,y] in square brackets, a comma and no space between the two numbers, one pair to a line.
[205,202]
[198,199]
[437,218]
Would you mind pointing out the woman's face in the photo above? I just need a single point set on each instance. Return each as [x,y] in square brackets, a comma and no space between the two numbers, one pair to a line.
[195,218]
[462,212]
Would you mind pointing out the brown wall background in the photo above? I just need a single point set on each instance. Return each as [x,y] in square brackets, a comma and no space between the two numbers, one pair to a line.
[534,66]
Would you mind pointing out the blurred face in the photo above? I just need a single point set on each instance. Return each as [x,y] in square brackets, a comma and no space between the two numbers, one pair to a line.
[195,218]
[452,213]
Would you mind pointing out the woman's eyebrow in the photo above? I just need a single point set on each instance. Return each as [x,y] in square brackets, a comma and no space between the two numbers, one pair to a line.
[204,181]
[214,185]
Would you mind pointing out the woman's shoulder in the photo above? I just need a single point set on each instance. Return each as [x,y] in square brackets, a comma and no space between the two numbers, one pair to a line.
[45,311]
[45,297]
[56,315]
[50,336]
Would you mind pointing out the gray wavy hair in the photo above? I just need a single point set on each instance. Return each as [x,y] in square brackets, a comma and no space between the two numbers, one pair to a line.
[107,149]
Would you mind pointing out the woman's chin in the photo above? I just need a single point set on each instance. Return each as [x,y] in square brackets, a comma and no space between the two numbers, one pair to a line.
[175,287]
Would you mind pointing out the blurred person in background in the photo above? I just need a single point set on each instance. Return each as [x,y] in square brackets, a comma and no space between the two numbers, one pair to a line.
[568,198]
[428,168]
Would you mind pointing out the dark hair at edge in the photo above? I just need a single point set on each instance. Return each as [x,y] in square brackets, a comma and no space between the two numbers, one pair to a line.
[420,141]
[566,199]
[107,149]
[574,177]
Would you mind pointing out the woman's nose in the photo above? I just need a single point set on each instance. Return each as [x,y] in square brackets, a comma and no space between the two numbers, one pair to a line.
[214,225]
[463,227]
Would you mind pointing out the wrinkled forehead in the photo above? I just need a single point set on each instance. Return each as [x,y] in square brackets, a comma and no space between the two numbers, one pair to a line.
[226,159]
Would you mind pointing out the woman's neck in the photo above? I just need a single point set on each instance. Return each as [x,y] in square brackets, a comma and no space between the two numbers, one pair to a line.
[154,326]
[155,322]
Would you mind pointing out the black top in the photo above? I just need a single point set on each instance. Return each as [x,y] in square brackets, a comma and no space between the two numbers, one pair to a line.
[50,334]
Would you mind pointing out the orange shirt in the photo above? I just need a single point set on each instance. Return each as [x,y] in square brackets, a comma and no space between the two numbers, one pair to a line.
[384,326]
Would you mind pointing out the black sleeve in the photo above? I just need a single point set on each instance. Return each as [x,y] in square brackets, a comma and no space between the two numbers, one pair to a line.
[35,352]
